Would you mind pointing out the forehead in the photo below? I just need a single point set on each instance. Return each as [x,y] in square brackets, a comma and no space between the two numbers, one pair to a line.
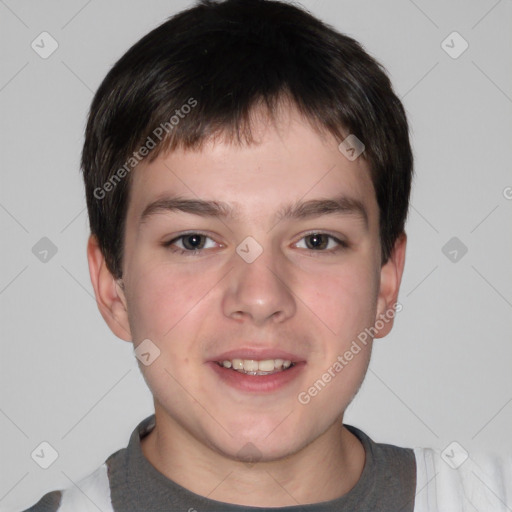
[288,162]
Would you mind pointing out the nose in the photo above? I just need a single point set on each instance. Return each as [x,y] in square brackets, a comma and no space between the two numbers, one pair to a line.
[259,292]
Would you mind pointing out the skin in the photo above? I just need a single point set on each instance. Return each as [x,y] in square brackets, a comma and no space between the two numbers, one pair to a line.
[305,301]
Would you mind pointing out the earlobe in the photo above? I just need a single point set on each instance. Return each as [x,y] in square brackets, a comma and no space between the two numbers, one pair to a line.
[390,279]
[109,293]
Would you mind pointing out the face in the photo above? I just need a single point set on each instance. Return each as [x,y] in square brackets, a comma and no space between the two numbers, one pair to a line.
[259,284]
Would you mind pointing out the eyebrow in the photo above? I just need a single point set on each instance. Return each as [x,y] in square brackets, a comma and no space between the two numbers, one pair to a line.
[340,205]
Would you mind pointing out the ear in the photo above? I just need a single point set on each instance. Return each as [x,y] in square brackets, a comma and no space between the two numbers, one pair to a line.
[390,279]
[110,296]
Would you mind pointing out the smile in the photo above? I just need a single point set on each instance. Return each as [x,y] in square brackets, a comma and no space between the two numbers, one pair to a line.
[255,367]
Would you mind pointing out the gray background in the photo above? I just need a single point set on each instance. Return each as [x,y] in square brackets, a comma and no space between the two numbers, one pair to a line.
[443,374]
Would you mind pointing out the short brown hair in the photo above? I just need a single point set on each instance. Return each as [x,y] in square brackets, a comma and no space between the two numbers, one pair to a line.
[220,59]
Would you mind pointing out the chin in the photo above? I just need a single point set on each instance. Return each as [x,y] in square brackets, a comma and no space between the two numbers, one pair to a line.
[250,452]
[261,440]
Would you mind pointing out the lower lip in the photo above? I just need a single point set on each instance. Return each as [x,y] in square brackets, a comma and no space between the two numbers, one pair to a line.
[257,383]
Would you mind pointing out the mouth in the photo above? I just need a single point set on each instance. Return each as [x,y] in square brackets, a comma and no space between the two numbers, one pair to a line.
[245,371]
[255,367]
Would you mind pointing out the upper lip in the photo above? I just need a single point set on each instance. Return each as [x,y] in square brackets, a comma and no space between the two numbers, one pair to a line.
[257,354]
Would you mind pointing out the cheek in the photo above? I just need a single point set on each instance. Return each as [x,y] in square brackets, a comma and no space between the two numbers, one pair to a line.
[343,306]
[161,299]
[342,301]
[164,309]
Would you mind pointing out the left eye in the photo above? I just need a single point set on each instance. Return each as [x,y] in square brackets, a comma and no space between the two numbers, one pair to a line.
[320,241]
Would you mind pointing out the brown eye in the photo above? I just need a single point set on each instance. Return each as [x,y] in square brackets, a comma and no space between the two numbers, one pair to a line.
[322,242]
[190,244]
[317,241]
[193,241]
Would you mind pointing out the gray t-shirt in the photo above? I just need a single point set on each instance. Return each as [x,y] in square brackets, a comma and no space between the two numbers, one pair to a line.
[387,483]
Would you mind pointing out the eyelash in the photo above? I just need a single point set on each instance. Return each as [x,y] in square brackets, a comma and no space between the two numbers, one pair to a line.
[197,252]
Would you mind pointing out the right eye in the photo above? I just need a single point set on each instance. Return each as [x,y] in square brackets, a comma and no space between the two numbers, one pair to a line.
[192,244]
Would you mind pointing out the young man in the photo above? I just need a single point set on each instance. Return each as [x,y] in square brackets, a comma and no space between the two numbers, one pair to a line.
[248,171]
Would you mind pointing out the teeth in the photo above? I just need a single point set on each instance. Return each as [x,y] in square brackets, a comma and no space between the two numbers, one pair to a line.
[264,366]
[257,367]
[250,365]
[238,364]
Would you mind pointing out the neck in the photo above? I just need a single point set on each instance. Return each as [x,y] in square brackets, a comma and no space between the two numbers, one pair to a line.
[337,457]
